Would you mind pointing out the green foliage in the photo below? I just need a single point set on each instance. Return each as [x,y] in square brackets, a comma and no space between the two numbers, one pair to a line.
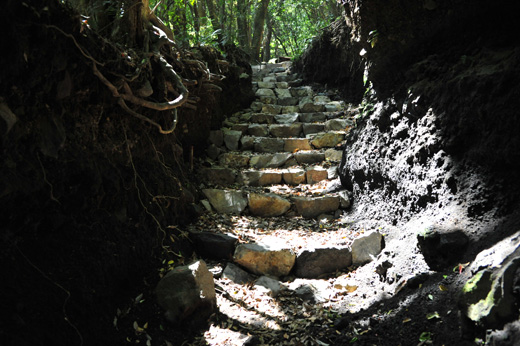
[294,22]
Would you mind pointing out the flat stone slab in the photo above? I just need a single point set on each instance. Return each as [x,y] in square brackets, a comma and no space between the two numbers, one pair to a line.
[266,85]
[337,124]
[260,178]
[290,109]
[321,99]
[316,174]
[283,93]
[333,155]
[310,128]
[311,207]
[327,139]
[316,262]
[287,118]
[226,201]
[294,176]
[294,144]
[310,107]
[269,145]
[313,117]
[309,157]
[265,259]
[267,205]
[272,109]
[247,142]
[285,130]
[301,91]
[366,248]
[233,160]
[261,118]
[270,160]
[258,130]
[265,93]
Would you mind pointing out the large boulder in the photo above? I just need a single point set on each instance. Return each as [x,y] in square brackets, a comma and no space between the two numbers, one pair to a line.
[187,292]
[214,245]
[310,207]
[265,259]
[490,297]
[313,263]
[267,205]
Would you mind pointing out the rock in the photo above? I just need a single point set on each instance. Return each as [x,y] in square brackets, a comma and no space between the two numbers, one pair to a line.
[321,99]
[206,205]
[291,108]
[282,85]
[271,109]
[265,259]
[216,137]
[259,130]
[233,160]
[261,118]
[308,106]
[295,144]
[268,100]
[333,155]
[289,101]
[218,175]
[442,246]
[309,157]
[247,142]
[256,106]
[268,286]
[266,85]
[214,245]
[301,91]
[294,176]
[265,93]
[187,292]
[270,161]
[508,336]
[246,117]
[313,117]
[313,291]
[334,106]
[287,118]
[268,145]
[214,152]
[366,247]
[316,174]
[337,124]
[327,139]
[310,207]
[270,79]
[226,201]
[310,128]
[283,93]
[489,297]
[285,130]
[316,262]
[236,274]
[267,205]
[260,178]
[344,199]
[240,127]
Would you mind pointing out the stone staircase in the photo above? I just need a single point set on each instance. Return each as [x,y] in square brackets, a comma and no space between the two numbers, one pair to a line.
[272,169]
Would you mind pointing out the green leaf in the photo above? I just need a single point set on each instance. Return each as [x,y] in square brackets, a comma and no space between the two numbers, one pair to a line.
[425,336]
[432,315]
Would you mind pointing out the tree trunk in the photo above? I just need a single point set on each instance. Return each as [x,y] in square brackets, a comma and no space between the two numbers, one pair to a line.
[258,28]
[266,53]
[244,32]
[214,19]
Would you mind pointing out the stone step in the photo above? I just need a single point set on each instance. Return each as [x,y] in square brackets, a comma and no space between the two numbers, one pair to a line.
[285,127]
[230,201]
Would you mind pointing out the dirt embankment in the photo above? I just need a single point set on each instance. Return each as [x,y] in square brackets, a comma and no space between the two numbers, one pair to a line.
[437,139]
[89,195]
